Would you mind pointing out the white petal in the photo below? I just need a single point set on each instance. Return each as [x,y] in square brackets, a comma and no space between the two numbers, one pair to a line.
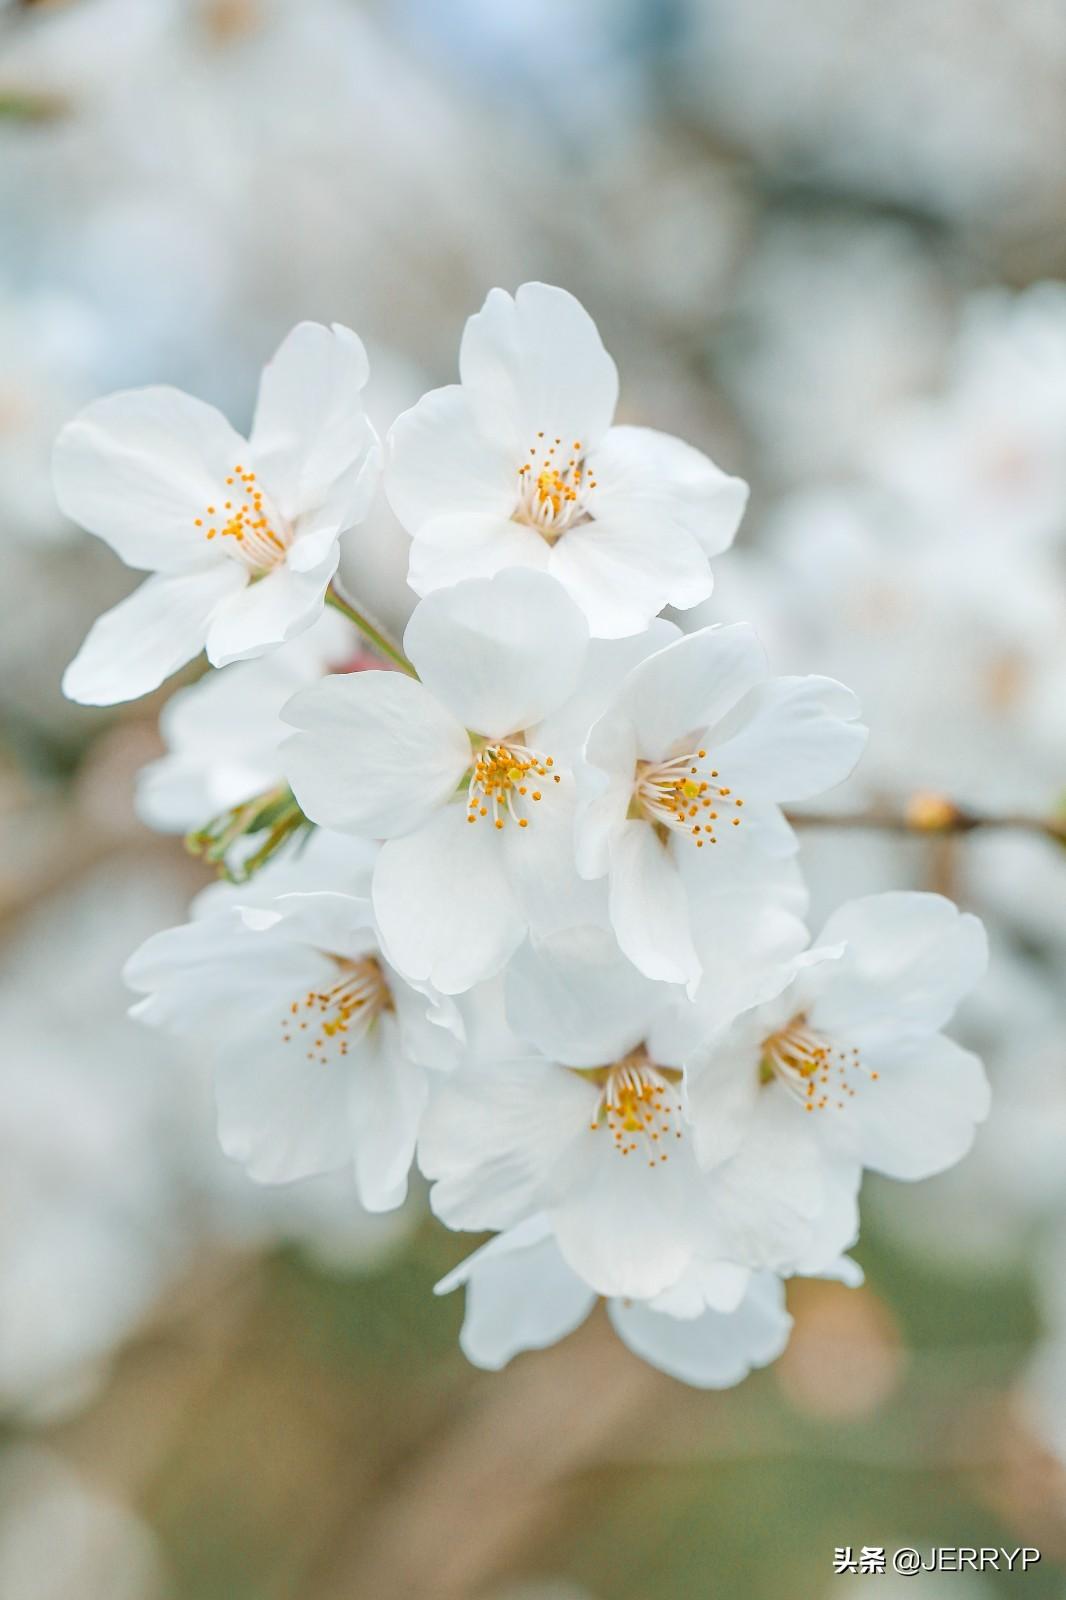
[622,569]
[627,1227]
[317,540]
[766,1201]
[175,794]
[499,652]
[606,663]
[446,911]
[269,612]
[648,907]
[836,1227]
[326,860]
[707,1285]
[846,1271]
[715,1350]
[132,648]
[234,979]
[137,468]
[388,1096]
[432,1028]
[486,1032]
[536,364]
[908,960]
[440,463]
[605,782]
[681,691]
[761,866]
[311,441]
[376,754]
[723,1095]
[541,866]
[669,480]
[764,835]
[281,1116]
[331,919]
[207,977]
[524,1236]
[578,1000]
[747,940]
[793,738]
[222,736]
[492,1139]
[519,1296]
[919,1116]
[471,544]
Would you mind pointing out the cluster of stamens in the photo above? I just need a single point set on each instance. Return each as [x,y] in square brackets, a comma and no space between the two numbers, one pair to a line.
[639,1105]
[257,537]
[814,1070]
[685,794]
[330,1019]
[552,487]
[505,780]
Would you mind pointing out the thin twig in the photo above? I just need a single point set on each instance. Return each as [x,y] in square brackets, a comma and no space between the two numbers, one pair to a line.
[933,816]
[375,635]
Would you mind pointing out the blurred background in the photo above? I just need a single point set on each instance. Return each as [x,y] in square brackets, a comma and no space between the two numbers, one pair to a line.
[824,243]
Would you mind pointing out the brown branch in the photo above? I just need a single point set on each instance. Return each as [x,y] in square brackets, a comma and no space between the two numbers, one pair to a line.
[932,815]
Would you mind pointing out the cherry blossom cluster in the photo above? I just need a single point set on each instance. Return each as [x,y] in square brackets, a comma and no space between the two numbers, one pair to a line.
[515,902]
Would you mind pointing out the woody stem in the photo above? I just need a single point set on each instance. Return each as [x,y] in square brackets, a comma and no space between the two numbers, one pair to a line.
[932,816]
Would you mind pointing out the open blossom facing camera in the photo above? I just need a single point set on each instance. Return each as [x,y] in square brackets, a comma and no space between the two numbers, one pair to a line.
[241,535]
[519,465]
[320,1047]
[525,908]
[593,1127]
[686,768]
[476,812]
[852,1043]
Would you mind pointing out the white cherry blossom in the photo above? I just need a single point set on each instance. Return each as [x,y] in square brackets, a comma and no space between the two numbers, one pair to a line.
[320,1046]
[475,810]
[610,1155]
[851,1048]
[532,914]
[522,1295]
[241,536]
[519,465]
[577,1000]
[683,777]
[224,733]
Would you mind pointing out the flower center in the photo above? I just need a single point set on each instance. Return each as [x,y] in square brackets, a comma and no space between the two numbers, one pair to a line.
[554,485]
[249,528]
[506,780]
[331,1018]
[685,794]
[639,1105]
[813,1069]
